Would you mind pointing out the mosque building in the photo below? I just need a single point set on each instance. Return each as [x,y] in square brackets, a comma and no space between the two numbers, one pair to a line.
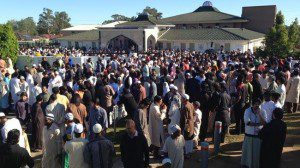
[204,29]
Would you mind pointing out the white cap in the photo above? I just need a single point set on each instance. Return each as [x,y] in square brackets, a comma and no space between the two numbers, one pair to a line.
[173,87]
[22,77]
[34,65]
[97,128]
[69,116]
[186,97]
[166,160]
[78,128]
[50,116]
[174,128]
[2,114]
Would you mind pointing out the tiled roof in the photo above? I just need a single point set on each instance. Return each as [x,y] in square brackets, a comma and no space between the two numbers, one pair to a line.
[204,15]
[92,35]
[209,34]
[245,33]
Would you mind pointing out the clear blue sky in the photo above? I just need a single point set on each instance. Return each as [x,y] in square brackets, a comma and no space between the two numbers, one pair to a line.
[96,11]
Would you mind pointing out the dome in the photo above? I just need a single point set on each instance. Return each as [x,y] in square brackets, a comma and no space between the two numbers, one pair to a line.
[207,3]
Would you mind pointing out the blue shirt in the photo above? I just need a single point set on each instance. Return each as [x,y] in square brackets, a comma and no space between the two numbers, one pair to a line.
[70,130]
[97,116]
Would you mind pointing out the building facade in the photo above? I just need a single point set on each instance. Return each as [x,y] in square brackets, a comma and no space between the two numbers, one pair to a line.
[200,30]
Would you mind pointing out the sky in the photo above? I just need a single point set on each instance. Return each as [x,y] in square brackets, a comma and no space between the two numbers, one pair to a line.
[96,11]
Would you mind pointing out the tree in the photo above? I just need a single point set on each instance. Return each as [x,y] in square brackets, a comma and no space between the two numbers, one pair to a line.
[118,17]
[24,26]
[294,34]
[46,21]
[153,12]
[61,21]
[8,43]
[27,26]
[276,40]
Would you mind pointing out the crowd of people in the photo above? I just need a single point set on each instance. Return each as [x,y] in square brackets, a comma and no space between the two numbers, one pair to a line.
[170,99]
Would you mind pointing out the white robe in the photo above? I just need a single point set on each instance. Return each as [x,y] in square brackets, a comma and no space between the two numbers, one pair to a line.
[174,115]
[34,92]
[10,125]
[75,149]
[156,130]
[14,87]
[52,140]
[282,91]
[58,110]
[24,87]
[174,148]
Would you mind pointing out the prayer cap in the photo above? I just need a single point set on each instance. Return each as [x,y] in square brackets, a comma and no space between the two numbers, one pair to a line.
[78,128]
[50,116]
[97,128]
[69,116]
[186,96]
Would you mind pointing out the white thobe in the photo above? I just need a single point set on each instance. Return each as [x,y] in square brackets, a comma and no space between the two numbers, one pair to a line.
[10,125]
[14,87]
[174,115]
[156,130]
[34,92]
[174,148]
[75,149]
[52,148]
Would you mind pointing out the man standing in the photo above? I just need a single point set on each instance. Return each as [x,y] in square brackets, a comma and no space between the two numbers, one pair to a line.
[134,148]
[38,122]
[100,151]
[97,115]
[75,148]
[187,123]
[222,110]
[293,92]
[273,138]
[254,119]
[58,110]
[52,141]
[14,87]
[156,131]
[12,155]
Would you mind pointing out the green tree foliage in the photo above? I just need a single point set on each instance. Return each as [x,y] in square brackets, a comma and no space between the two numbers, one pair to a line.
[46,20]
[153,11]
[24,26]
[294,35]
[8,43]
[276,40]
[50,23]
[117,17]
[61,21]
